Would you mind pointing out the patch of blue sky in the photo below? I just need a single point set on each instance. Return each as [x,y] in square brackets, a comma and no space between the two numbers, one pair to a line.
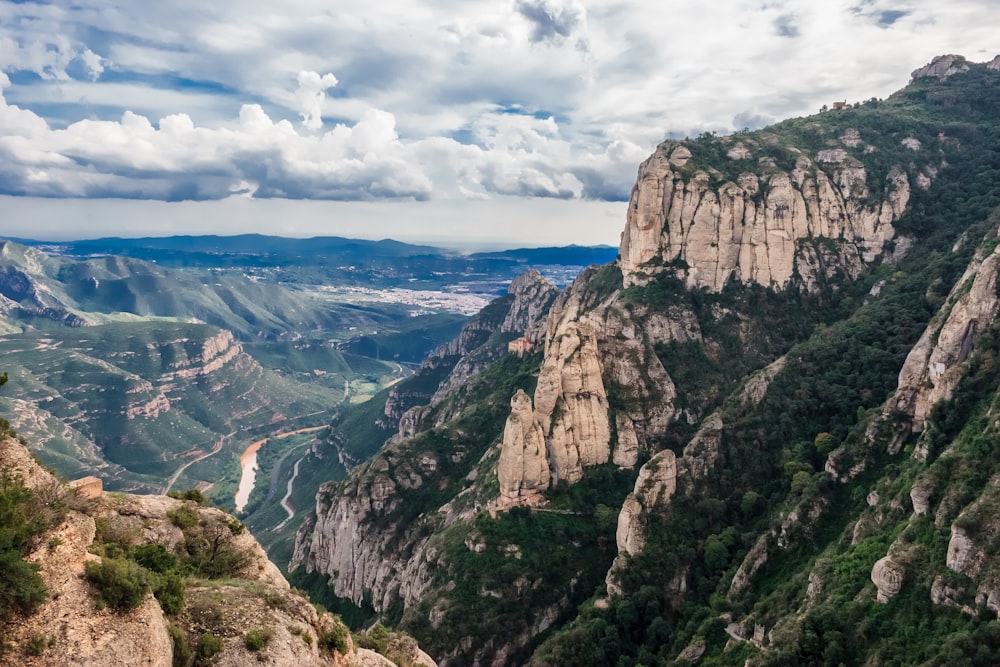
[538,114]
[890,16]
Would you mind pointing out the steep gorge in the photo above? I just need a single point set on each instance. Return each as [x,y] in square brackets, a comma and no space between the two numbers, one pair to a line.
[725,431]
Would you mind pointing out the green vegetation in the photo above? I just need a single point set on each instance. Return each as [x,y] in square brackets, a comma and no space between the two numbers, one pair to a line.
[36,645]
[844,351]
[121,584]
[182,655]
[396,646]
[129,569]
[207,647]
[258,638]
[335,638]
[194,495]
[25,515]
[183,517]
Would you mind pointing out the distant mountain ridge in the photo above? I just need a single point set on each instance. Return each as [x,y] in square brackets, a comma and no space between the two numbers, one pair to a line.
[333,259]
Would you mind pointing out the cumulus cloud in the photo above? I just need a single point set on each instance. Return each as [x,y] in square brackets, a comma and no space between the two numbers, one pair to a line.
[177,160]
[93,62]
[530,98]
[256,156]
[311,95]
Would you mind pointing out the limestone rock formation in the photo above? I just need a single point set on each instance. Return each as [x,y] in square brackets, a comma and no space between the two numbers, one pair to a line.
[753,561]
[79,634]
[346,540]
[749,230]
[994,64]
[920,496]
[520,312]
[523,467]
[887,575]
[933,367]
[532,295]
[941,67]
[571,403]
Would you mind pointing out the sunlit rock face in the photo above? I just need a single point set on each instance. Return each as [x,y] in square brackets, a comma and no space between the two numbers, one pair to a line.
[749,229]
[524,468]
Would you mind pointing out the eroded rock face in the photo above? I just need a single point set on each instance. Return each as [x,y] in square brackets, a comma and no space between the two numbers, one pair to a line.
[79,634]
[932,369]
[532,297]
[571,403]
[524,468]
[963,555]
[521,312]
[751,563]
[624,339]
[920,496]
[348,539]
[941,67]
[729,230]
[887,575]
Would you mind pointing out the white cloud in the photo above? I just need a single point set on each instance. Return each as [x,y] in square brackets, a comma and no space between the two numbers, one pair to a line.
[310,97]
[447,100]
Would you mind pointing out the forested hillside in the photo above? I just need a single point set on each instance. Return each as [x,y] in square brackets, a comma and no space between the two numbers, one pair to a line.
[765,433]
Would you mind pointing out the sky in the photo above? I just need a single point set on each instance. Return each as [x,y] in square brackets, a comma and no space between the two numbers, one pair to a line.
[472,123]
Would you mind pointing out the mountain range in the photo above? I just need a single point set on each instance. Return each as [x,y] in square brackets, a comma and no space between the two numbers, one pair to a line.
[765,435]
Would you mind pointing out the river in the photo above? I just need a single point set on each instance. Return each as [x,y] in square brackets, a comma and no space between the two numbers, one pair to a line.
[248,466]
[248,476]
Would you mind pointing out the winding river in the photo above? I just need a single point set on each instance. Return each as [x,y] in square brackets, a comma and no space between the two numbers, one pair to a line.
[248,466]
[248,476]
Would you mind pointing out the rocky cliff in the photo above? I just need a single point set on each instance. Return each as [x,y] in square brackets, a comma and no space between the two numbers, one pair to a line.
[712,230]
[71,627]
[766,435]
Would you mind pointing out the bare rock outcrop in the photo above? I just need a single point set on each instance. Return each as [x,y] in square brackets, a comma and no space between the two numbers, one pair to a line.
[933,369]
[994,64]
[522,311]
[920,495]
[571,403]
[532,295]
[753,561]
[524,468]
[887,575]
[78,633]
[750,229]
[348,539]
[941,67]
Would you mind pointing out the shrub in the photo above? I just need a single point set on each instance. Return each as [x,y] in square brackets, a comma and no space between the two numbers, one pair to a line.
[169,589]
[114,537]
[335,638]
[258,639]
[121,584]
[188,494]
[183,517]
[154,557]
[207,647]
[213,553]
[36,645]
[182,652]
[21,587]
[23,517]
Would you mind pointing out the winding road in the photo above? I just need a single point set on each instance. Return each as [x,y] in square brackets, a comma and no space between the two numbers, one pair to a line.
[285,505]
[215,450]
[248,465]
